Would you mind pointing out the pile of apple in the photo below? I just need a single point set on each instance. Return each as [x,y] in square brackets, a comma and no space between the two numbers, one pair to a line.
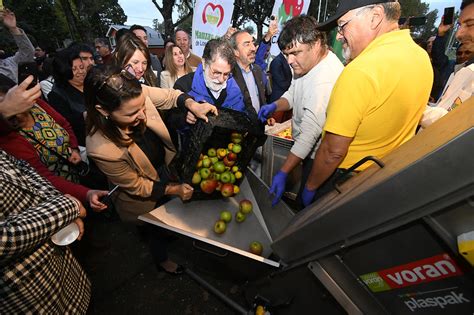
[245,208]
[216,170]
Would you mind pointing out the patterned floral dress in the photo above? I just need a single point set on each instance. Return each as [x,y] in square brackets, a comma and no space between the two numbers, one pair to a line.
[54,138]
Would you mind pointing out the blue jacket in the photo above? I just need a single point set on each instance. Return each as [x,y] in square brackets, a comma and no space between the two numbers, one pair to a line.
[234,99]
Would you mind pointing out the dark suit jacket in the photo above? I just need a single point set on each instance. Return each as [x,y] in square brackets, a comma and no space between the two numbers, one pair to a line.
[258,75]
[281,77]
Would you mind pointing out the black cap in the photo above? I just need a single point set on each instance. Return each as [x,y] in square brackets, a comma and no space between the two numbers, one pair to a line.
[345,6]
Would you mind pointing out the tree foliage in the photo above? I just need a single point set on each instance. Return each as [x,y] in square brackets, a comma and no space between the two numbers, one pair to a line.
[166,9]
[41,20]
[49,22]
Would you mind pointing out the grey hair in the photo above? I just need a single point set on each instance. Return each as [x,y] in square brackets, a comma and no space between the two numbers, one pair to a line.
[233,38]
[392,10]
[218,48]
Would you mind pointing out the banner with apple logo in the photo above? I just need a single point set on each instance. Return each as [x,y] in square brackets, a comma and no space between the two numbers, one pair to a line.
[210,20]
[285,10]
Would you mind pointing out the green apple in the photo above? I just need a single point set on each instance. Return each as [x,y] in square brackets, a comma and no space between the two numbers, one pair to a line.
[239,217]
[211,152]
[204,172]
[232,178]
[219,227]
[236,137]
[225,177]
[206,162]
[214,159]
[245,206]
[196,178]
[226,216]
[256,248]
[236,148]
[219,167]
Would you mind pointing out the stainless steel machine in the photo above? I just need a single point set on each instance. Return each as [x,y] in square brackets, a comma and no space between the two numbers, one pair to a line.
[384,243]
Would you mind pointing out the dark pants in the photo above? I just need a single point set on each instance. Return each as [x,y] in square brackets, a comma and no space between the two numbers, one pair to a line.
[157,243]
[306,169]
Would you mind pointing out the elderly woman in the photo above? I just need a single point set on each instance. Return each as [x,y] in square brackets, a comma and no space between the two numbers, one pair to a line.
[41,135]
[177,66]
[129,142]
[133,53]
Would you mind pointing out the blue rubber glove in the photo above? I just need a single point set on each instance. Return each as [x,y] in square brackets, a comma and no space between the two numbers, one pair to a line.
[266,110]
[307,196]
[278,186]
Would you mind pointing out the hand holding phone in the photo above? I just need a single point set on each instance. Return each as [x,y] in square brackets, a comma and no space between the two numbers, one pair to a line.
[448,16]
[25,69]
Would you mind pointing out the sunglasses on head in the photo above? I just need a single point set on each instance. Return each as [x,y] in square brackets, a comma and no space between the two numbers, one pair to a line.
[115,81]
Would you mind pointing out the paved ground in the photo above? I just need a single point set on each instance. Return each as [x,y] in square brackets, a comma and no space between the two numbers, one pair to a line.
[125,281]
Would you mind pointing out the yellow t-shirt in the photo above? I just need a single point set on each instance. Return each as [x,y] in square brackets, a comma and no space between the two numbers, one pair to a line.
[380,96]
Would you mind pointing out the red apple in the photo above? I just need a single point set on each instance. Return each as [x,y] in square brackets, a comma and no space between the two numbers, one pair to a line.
[227,162]
[256,248]
[245,206]
[231,156]
[227,190]
[208,186]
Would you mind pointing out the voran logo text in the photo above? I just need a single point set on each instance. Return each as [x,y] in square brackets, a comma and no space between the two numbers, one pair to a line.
[421,271]
[417,272]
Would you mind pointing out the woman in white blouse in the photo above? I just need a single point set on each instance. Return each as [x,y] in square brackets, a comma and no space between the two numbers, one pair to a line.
[176,66]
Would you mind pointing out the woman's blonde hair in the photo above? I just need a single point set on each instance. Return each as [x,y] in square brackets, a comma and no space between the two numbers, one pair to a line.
[130,43]
[169,64]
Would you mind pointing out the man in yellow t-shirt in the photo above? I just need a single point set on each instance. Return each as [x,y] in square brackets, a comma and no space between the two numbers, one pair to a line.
[380,96]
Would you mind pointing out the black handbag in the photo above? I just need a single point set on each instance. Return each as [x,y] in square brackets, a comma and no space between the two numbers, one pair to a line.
[81,168]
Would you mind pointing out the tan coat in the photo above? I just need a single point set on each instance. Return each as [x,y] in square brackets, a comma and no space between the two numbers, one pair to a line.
[129,167]
[167,81]
[194,60]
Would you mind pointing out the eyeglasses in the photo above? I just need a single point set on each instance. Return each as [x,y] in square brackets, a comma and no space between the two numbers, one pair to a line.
[115,81]
[216,74]
[340,28]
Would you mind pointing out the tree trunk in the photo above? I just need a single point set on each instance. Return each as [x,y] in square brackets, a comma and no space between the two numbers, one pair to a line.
[71,20]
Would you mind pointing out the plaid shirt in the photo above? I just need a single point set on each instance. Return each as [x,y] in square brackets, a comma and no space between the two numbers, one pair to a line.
[36,276]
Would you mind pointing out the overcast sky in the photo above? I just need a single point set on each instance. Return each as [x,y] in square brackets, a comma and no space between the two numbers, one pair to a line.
[144,11]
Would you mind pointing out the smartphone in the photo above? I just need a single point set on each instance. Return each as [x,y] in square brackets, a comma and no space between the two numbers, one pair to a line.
[26,69]
[448,16]
[106,199]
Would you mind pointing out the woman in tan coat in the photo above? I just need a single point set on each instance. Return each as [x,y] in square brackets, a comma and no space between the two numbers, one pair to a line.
[176,66]
[129,142]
